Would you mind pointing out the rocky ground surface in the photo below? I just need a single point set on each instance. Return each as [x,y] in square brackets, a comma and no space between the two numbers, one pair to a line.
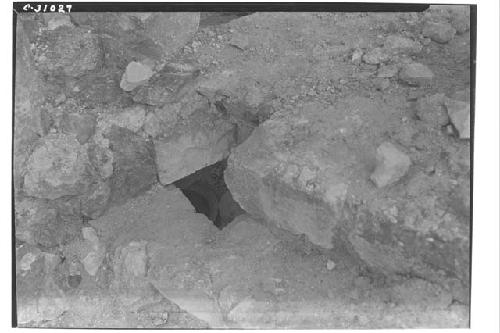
[342,137]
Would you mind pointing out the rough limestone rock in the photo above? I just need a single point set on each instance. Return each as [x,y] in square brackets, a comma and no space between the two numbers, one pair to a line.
[440,32]
[134,169]
[205,140]
[312,178]
[127,37]
[459,113]
[392,164]
[135,74]
[57,167]
[416,74]
[168,86]
[431,110]
[72,52]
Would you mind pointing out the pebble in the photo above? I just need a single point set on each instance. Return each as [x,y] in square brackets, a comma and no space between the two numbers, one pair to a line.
[135,75]
[330,265]
[392,164]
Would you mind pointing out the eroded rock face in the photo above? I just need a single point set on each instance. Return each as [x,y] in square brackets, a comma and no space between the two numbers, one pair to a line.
[313,178]
[416,74]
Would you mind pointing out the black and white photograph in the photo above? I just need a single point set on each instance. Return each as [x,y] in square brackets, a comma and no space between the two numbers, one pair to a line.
[243,166]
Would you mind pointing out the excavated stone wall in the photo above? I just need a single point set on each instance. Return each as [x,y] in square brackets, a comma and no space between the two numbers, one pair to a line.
[338,142]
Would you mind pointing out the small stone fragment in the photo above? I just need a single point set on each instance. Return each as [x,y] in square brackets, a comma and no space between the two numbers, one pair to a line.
[392,164]
[376,56]
[459,113]
[330,265]
[95,256]
[135,75]
[402,44]
[416,74]
[440,32]
[357,55]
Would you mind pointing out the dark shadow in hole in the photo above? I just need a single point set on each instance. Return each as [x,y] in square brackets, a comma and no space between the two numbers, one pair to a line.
[209,195]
